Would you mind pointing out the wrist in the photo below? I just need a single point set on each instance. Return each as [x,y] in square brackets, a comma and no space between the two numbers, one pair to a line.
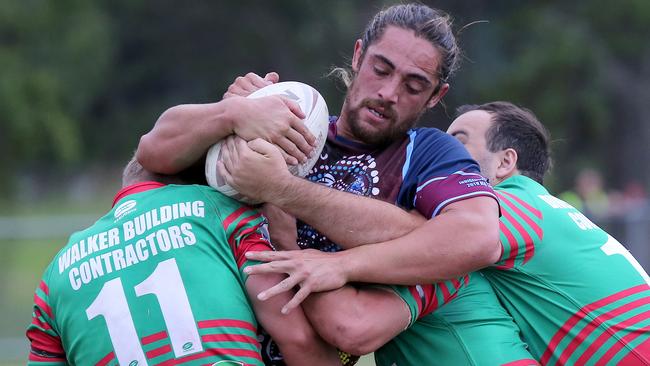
[349,265]
[289,190]
[226,114]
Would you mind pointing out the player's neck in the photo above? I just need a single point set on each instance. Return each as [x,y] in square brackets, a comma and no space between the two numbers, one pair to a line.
[343,127]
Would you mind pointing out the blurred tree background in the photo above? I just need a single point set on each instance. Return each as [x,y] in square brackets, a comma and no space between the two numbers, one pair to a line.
[83,80]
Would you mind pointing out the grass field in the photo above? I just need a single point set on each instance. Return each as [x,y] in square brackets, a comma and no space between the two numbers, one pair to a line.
[21,265]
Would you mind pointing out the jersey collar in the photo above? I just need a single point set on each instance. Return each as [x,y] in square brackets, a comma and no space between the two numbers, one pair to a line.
[136,188]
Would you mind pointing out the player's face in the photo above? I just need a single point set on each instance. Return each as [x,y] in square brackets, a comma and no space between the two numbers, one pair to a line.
[470,129]
[394,84]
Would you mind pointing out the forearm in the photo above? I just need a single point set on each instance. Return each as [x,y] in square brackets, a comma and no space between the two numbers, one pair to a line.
[182,135]
[357,321]
[299,343]
[450,245]
[347,219]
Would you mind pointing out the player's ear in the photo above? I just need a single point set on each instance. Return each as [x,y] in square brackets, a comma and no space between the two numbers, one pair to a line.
[507,164]
[444,88]
[356,56]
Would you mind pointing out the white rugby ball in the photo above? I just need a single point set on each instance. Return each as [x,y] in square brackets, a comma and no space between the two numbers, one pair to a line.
[316,120]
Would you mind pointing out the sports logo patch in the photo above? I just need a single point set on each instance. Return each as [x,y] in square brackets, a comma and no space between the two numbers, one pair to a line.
[125,208]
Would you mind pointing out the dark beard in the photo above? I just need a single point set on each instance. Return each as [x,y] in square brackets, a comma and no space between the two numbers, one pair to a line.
[395,131]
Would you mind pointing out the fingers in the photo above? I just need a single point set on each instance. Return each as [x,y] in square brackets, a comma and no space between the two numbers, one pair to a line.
[283,286]
[226,157]
[302,138]
[299,126]
[272,77]
[223,171]
[245,85]
[263,256]
[293,107]
[265,148]
[290,149]
[256,81]
[297,299]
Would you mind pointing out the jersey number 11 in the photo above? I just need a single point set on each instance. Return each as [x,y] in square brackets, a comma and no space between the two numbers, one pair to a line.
[166,284]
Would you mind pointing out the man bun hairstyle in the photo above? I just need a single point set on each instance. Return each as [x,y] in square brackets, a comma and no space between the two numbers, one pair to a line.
[517,128]
[431,24]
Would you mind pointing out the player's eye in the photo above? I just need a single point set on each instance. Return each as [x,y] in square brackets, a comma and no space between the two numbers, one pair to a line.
[380,71]
[414,88]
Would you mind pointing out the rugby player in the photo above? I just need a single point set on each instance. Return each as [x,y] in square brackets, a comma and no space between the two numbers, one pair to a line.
[158,280]
[400,68]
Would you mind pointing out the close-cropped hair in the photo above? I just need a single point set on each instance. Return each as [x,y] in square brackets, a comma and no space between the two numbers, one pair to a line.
[517,128]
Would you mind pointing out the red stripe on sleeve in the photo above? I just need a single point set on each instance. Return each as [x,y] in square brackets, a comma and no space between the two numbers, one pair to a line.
[528,240]
[41,324]
[581,314]
[418,300]
[44,288]
[43,305]
[526,362]
[45,342]
[536,228]
[36,358]
[431,301]
[233,216]
[251,243]
[514,247]
[445,292]
[530,208]
[241,224]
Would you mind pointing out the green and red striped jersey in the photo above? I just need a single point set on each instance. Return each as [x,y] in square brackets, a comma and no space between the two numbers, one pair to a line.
[576,293]
[157,280]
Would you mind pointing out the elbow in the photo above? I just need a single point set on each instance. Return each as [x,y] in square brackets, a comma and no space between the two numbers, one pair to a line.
[355,344]
[350,332]
[153,152]
[150,159]
[487,249]
[298,338]
[490,250]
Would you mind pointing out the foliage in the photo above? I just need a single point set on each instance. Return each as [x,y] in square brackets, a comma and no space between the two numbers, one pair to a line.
[83,80]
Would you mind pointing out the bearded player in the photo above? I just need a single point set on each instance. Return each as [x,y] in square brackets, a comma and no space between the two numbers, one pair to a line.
[400,68]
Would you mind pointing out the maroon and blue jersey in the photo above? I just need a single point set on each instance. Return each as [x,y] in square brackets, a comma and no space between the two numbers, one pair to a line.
[426,170]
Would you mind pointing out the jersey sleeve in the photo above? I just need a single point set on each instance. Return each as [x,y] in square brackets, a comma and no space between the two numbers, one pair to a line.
[244,227]
[438,171]
[520,230]
[45,344]
[247,231]
[425,299]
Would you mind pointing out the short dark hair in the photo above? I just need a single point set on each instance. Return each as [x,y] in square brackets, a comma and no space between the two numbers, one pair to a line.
[517,128]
